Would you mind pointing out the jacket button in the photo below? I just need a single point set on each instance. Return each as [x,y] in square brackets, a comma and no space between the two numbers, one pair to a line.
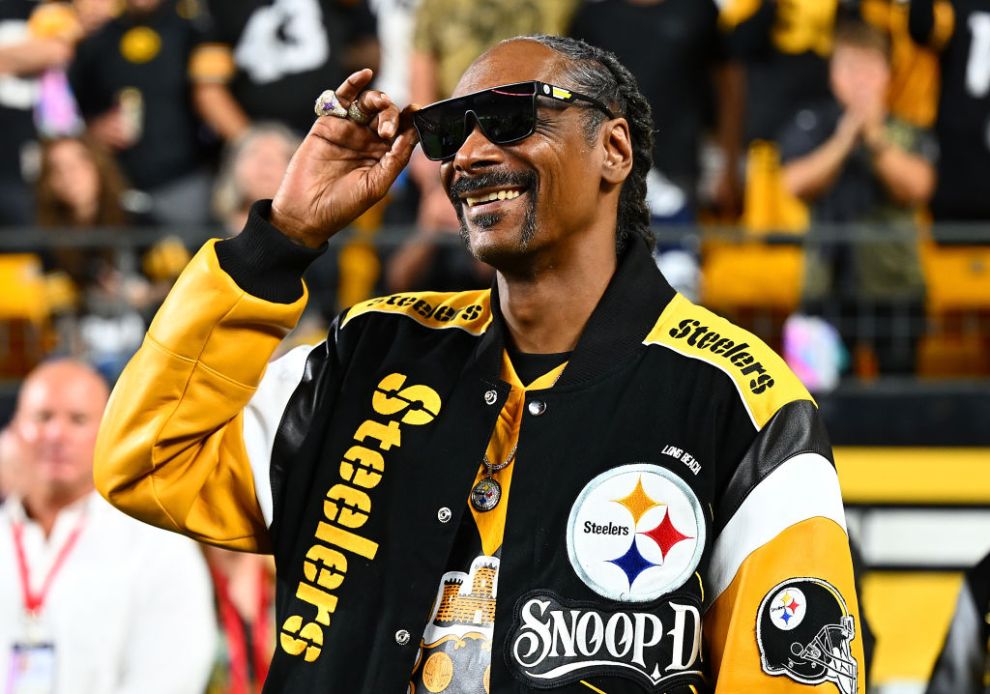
[402,637]
[491,396]
[444,514]
[536,407]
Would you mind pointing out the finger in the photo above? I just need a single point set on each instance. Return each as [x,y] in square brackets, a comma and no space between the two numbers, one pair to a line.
[353,86]
[382,110]
[396,158]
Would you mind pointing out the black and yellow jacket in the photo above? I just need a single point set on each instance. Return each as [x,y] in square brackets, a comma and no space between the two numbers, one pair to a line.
[675,523]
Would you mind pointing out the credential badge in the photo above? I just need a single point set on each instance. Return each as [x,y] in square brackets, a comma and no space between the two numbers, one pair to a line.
[635,533]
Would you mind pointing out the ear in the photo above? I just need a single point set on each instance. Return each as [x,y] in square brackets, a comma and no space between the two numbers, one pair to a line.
[617,143]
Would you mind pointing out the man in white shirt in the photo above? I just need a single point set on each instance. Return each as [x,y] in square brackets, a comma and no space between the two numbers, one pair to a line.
[91,601]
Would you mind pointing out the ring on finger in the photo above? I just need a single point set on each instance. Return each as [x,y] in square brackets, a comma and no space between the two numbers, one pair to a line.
[355,113]
[327,104]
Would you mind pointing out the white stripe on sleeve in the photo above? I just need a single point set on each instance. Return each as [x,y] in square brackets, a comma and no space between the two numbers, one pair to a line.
[262,416]
[802,487]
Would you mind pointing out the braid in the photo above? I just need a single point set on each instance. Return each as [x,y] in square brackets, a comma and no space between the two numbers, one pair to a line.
[598,73]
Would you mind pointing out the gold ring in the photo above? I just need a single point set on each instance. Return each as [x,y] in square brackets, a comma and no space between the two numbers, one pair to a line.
[355,113]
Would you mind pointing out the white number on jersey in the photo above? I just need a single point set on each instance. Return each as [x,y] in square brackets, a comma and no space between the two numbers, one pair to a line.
[978,66]
[281,39]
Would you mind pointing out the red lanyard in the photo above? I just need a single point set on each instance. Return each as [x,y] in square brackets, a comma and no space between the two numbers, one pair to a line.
[33,601]
[241,678]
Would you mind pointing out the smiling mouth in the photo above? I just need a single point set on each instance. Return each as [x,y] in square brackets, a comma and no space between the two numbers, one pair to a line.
[493,196]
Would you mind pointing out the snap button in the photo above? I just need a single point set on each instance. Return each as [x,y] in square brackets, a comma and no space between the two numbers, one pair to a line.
[402,637]
[444,514]
[491,396]
[536,407]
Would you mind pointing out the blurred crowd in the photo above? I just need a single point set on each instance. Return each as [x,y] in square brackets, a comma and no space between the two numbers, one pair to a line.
[850,124]
[837,132]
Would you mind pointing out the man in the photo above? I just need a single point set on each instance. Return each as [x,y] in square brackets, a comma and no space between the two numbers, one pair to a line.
[130,79]
[91,602]
[544,485]
[857,165]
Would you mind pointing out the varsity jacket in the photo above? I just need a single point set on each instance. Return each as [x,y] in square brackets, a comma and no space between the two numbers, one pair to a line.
[675,522]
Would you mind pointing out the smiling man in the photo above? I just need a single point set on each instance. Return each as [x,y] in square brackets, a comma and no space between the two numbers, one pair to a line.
[576,481]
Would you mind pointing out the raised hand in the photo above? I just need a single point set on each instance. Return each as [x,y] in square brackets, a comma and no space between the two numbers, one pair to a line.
[343,168]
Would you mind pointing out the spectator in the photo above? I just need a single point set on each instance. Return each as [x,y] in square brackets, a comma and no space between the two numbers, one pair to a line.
[244,594]
[26,51]
[960,30]
[858,165]
[130,79]
[90,601]
[783,47]
[79,185]
[251,169]
[263,60]
[963,665]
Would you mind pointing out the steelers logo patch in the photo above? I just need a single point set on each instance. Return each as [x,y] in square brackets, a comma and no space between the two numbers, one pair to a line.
[635,533]
[787,608]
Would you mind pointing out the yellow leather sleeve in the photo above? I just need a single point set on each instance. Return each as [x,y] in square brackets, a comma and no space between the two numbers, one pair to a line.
[170,450]
[815,549]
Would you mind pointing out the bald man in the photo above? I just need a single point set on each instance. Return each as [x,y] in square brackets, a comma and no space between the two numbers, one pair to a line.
[90,600]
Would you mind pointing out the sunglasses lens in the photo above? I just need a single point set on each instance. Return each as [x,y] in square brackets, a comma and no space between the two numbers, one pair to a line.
[441,129]
[505,114]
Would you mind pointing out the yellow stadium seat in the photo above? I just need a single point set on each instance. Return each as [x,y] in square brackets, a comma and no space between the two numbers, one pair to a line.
[25,330]
[751,275]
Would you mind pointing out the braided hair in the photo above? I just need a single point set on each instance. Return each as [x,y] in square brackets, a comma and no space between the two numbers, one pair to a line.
[598,73]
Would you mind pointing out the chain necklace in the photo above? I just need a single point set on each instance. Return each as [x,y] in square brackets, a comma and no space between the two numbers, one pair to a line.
[486,494]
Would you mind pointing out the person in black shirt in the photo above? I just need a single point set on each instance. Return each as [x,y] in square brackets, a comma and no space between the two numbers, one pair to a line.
[960,29]
[264,59]
[858,166]
[130,79]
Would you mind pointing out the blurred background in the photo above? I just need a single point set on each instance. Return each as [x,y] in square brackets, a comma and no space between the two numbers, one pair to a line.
[821,177]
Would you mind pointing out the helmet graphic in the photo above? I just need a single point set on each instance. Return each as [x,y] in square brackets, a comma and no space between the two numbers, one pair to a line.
[804,632]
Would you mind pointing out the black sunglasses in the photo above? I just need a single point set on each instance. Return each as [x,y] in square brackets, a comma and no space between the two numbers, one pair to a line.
[505,114]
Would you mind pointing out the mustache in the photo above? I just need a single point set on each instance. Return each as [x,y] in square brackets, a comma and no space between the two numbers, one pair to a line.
[466,185]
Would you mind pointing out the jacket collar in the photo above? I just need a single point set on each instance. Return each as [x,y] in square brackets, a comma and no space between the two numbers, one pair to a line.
[633,300]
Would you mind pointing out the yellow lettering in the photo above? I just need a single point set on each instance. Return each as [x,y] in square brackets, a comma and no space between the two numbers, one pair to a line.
[420,404]
[324,602]
[346,505]
[346,540]
[362,466]
[297,638]
[325,567]
[387,435]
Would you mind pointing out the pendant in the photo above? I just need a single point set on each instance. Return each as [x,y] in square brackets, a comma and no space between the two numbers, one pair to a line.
[486,494]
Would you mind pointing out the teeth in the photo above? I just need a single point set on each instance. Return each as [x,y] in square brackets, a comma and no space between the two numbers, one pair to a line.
[491,197]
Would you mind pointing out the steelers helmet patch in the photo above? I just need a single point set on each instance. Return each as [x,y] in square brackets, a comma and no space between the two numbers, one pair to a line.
[804,632]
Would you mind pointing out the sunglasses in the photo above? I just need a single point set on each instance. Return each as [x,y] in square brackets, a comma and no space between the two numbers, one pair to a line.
[505,114]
